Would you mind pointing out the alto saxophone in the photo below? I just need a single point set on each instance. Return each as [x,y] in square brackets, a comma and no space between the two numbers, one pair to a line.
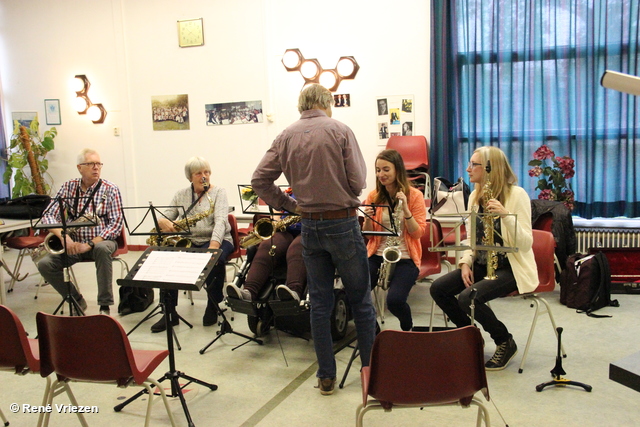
[265,228]
[391,253]
[489,229]
[184,225]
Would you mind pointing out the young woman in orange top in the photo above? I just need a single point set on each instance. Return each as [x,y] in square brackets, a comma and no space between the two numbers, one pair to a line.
[392,186]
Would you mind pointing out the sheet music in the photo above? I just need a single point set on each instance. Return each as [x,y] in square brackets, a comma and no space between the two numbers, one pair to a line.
[173,267]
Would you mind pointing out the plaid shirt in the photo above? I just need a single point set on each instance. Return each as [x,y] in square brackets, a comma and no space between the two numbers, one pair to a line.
[107,200]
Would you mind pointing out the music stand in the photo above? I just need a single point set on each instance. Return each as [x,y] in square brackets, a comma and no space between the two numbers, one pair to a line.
[64,209]
[154,213]
[155,269]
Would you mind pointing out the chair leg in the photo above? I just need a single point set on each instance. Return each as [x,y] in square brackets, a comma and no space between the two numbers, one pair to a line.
[432,314]
[147,384]
[45,397]
[124,267]
[536,299]
[483,413]
[4,419]
[16,269]
[57,388]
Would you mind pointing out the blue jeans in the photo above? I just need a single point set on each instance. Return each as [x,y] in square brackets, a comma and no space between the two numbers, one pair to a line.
[332,245]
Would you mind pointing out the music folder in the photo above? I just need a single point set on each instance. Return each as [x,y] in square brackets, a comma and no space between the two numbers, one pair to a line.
[172,268]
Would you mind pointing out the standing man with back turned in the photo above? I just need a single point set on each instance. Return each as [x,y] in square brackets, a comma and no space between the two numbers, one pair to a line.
[321,159]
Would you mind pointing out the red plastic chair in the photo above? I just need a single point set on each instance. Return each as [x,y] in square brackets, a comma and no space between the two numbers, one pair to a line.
[18,353]
[418,369]
[414,151]
[69,348]
[544,251]
[25,245]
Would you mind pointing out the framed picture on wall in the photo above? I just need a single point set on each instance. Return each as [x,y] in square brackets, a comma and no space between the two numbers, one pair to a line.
[52,111]
[24,118]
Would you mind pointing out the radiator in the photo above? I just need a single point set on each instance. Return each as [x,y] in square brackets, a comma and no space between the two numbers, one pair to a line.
[606,238]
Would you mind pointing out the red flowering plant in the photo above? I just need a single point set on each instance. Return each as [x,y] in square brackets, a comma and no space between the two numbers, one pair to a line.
[553,183]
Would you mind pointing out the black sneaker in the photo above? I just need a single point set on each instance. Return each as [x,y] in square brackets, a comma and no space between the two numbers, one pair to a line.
[326,385]
[503,355]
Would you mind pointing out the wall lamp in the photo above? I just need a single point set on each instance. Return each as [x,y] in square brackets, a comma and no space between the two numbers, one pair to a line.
[83,104]
[312,72]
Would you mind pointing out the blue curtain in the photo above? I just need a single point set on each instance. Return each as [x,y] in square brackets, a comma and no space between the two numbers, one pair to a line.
[521,73]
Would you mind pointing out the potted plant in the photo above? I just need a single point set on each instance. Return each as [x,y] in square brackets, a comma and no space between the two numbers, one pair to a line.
[27,162]
[553,179]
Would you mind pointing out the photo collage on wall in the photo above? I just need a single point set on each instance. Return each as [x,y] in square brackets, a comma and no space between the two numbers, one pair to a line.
[233,113]
[171,112]
[395,116]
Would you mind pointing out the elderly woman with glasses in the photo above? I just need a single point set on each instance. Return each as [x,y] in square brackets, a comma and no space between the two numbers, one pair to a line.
[213,231]
[495,193]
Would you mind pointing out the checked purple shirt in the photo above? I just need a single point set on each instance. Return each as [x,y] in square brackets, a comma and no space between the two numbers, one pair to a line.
[108,203]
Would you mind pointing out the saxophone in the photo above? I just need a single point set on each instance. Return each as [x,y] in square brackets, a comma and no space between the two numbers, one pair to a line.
[391,253]
[184,225]
[54,246]
[488,223]
[265,228]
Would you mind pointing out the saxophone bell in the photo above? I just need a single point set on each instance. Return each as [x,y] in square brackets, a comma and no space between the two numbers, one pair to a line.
[391,253]
[265,228]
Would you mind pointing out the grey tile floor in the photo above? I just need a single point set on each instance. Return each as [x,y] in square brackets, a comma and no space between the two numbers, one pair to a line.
[273,384]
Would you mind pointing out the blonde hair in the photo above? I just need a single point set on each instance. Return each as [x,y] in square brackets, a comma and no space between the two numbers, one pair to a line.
[502,176]
[314,96]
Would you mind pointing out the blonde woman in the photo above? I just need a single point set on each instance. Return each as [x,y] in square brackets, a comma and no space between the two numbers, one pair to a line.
[516,271]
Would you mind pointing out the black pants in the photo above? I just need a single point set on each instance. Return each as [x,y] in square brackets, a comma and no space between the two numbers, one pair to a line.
[445,289]
[404,277]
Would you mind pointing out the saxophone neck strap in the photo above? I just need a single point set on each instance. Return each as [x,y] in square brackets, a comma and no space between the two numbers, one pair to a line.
[194,200]
[89,200]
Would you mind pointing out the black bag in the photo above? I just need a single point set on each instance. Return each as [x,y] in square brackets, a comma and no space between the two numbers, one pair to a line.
[134,299]
[27,207]
[586,284]
[449,198]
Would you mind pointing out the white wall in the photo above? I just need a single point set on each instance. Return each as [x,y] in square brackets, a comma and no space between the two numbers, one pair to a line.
[129,51]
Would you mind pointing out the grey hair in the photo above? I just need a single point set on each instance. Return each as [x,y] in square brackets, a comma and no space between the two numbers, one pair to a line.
[82,156]
[314,96]
[194,165]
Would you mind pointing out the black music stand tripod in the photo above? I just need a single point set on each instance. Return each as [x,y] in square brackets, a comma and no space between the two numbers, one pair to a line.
[74,307]
[173,375]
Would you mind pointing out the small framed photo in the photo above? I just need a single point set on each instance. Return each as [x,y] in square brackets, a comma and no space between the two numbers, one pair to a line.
[52,111]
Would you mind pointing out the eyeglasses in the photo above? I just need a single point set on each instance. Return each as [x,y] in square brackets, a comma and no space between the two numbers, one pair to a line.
[92,164]
[472,165]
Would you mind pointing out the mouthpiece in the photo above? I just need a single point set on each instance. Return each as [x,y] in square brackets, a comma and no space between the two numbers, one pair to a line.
[488,168]
[205,184]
